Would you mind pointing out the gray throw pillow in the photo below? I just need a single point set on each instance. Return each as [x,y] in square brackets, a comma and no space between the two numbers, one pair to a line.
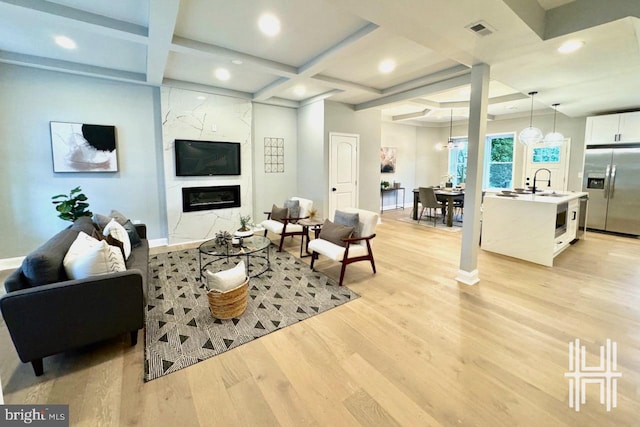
[101,220]
[334,233]
[277,214]
[348,219]
[44,265]
[134,238]
[119,217]
[294,208]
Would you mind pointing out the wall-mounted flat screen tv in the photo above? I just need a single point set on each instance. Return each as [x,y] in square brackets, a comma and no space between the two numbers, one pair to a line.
[207,158]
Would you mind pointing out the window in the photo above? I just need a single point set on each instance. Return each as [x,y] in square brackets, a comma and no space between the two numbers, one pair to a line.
[546,154]
[498,161]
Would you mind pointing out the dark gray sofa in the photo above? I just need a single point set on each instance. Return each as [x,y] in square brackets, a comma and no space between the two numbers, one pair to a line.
[54,314]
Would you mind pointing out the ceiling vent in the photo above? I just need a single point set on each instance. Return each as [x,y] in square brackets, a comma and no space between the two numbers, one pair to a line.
[480,28]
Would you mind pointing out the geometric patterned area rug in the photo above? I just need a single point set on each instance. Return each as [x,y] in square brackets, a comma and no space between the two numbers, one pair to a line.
[180,331]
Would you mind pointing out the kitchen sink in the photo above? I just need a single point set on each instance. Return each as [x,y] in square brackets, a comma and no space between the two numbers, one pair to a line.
[551,195]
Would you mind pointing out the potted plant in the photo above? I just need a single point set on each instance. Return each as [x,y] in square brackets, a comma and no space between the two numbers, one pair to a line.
[245,226]
[384,185]
[72,206]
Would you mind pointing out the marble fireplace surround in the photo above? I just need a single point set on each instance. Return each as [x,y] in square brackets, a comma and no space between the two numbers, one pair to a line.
[202,116]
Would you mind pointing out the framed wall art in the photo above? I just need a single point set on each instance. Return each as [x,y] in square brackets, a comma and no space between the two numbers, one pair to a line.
[80,147]
[388,159]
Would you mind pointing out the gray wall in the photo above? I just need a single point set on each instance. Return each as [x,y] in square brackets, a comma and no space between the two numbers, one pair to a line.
[342,118]
[269,188]
[32,98]
[312,172]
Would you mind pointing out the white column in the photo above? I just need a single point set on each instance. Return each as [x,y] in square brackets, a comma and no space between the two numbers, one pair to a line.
[468,272]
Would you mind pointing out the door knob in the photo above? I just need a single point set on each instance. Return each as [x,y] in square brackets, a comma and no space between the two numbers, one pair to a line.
[334,189]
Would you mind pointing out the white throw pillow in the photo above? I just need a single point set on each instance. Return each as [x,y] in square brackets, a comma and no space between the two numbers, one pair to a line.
[117,231]
[88,256]
[228,279]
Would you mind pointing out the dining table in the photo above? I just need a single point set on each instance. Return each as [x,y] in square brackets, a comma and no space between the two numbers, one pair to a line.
[448,195]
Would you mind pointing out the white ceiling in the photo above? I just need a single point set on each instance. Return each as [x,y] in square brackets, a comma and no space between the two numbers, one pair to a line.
[332,49]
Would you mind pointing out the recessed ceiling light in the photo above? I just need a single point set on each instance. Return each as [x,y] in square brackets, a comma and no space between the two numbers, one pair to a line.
[570,46]
[387,66]
[510,107]
[65,42]
[299,90]
[222,74]
[236,61]
[269,24]
[202,97]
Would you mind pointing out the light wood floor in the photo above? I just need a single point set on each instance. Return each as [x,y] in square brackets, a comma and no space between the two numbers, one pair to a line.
[416,349]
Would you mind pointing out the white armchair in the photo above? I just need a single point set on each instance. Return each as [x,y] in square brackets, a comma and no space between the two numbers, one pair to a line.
[287,226]
[355,249]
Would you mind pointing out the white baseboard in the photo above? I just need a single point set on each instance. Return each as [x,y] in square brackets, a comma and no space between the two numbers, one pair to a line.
[158,242]
[468,277]
[11,263]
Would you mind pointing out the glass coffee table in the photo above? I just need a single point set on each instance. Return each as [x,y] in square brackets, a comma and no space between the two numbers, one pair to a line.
[254,250]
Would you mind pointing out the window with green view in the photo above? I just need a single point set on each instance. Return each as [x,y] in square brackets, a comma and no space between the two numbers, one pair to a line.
[498,161]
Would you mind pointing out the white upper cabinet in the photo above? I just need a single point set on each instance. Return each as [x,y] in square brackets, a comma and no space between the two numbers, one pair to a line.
[630,127]
[613,128]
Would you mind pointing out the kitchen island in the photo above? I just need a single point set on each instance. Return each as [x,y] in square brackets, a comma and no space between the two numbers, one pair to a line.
[533,227]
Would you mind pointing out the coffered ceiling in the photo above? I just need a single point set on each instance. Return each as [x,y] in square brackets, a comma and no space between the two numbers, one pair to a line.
[332,49]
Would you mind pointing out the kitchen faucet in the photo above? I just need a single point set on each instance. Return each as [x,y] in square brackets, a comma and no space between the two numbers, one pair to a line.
[535,177]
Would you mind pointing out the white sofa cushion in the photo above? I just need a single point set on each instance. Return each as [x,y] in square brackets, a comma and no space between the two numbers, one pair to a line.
[117,231]
[276,226]
[336,252]
[88,256]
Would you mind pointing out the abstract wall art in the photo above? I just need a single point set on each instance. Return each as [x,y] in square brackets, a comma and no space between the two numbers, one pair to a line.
[388,159]
[79,147]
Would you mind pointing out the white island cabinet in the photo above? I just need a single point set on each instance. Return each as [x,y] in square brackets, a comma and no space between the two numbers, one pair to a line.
[534,228]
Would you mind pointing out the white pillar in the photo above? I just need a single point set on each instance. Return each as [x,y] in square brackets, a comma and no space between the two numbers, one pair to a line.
[468,272]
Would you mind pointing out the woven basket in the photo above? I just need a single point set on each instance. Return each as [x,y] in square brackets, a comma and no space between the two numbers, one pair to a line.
[229,304]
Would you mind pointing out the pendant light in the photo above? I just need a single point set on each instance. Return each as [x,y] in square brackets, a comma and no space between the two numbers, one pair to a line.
[554,137]
[530,135]
[450,144]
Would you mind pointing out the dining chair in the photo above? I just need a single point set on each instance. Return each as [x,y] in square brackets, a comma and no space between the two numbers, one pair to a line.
[429,201]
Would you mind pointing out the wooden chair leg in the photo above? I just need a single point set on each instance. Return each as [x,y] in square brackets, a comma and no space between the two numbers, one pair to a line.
[314,255]
[38,367]
[282,236]
[344,267]
[373,263]
[421,213]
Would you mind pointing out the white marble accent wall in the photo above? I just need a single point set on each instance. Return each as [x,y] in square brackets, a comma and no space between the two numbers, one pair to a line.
[202,116]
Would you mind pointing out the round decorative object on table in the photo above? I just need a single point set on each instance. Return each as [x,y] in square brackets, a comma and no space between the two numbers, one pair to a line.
[247,233]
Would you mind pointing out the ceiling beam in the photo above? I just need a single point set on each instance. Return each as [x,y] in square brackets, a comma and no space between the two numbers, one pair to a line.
[416,92]
[197,87]
[206,50]
[71,67]
[410,116]
[316,64]
[320,97]
[458,70]
[344,84]
[580,15]
[89,21]
[162,21]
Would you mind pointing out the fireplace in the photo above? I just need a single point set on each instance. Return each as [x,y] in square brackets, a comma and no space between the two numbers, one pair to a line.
[207,198]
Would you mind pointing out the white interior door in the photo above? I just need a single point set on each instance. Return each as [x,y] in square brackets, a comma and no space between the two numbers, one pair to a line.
[552,157]
[343,171]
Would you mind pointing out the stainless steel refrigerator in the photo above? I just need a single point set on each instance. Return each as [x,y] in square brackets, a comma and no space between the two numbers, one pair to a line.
[612,179]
